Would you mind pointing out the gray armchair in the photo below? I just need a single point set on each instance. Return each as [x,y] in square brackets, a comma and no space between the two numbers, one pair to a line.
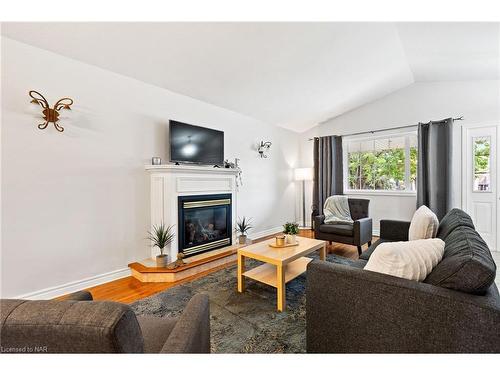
[80,325]
[357,234]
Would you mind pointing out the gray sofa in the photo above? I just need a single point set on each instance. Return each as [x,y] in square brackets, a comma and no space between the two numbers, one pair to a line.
[80,325]
[456,309]
[357,234]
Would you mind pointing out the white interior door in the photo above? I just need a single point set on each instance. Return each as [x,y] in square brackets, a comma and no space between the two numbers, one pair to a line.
[481,198]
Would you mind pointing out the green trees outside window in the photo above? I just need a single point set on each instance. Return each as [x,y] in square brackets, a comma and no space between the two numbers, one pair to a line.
[482,164]
[382,164]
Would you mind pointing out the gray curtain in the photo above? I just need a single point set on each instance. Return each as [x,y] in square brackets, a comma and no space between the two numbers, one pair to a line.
[328,173]
[434,166]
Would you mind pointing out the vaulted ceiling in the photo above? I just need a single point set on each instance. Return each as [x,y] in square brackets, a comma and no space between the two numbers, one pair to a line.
[293,75]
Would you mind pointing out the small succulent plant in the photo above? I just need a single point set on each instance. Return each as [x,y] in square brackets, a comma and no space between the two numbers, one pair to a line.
[161,236]
[243,225]
[291,228]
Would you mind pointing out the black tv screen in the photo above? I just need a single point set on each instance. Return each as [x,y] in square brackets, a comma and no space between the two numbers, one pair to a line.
[195,144]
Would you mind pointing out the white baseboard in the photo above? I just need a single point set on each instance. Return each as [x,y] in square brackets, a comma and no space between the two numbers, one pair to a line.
[265,233]
[376,232]
[75,286]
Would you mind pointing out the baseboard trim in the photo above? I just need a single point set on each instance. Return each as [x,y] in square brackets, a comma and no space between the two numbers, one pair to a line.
[75,286]
[376,232]
[267,232]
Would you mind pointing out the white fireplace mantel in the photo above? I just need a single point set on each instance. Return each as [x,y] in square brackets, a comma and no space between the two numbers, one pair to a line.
[169,181]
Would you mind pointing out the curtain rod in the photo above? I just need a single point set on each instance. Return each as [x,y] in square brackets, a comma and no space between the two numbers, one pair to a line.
[383,130]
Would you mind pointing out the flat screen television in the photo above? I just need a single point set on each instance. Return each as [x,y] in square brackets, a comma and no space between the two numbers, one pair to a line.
[195,144]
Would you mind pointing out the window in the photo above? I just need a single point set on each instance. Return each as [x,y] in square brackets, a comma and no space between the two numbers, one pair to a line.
[481,163]
[386,163]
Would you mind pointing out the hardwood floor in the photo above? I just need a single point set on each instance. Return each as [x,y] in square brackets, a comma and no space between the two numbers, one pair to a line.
[129,289]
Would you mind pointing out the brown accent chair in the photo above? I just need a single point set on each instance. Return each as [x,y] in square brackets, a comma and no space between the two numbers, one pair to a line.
[81,325]
[357,234]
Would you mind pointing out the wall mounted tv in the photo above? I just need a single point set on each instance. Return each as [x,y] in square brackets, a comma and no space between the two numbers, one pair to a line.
[195,144]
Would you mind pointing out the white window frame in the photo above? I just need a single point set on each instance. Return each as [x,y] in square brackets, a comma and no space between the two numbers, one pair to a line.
[380,135]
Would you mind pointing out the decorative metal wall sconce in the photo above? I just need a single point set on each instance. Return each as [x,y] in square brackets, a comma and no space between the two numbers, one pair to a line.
[263,148]
[50,114]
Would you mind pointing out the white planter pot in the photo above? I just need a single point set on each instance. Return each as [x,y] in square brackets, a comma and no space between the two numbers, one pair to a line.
[291,238]
[161,260]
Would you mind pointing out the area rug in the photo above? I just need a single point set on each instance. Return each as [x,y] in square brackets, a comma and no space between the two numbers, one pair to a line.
[241,322]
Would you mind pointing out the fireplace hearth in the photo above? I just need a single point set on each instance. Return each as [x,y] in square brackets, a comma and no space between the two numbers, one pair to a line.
[205,223]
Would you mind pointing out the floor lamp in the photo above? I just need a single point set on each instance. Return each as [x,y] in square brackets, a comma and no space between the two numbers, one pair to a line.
[303,174]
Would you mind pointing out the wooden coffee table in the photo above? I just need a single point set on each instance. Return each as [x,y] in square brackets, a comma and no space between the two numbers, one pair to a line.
[281,265]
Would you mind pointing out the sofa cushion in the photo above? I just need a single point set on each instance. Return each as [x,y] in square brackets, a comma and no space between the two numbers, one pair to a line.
[452,220]
[424,224]
[467,264]
[155,331]
[337,259]
[339,229]
[412,260]
[365,255]
[359,263]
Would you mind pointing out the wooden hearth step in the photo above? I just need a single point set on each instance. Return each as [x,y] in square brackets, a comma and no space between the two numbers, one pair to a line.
[146,271]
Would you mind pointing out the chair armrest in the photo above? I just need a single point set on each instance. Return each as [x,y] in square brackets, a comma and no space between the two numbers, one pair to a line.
[70,326]
[394,230]
[191,334]
[363,232]
[377,313]
[318,220]
[81,295]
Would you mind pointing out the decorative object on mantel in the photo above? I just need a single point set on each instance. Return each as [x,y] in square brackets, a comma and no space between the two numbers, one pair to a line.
[239,180]
[178,263]
[50,114]
[160,237]
[263,148]
[242,227]
[230,165]
[291,230]
[155,160]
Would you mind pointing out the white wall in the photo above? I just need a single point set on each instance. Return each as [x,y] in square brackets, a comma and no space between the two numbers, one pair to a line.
[477,101]
[75,205]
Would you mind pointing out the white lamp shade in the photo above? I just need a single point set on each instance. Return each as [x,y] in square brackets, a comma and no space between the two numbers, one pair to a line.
[303,174]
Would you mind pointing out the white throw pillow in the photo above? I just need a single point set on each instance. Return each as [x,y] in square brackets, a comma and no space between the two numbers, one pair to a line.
[412,260]
[424,224]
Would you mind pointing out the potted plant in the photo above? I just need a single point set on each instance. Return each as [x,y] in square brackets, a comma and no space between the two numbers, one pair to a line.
[161,236]
[242,226]
[291,230]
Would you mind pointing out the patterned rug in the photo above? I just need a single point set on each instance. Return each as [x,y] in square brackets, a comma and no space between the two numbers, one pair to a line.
[241,322]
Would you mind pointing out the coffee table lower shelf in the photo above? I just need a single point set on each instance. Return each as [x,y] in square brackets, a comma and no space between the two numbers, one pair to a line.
[266,273]
[280,265]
